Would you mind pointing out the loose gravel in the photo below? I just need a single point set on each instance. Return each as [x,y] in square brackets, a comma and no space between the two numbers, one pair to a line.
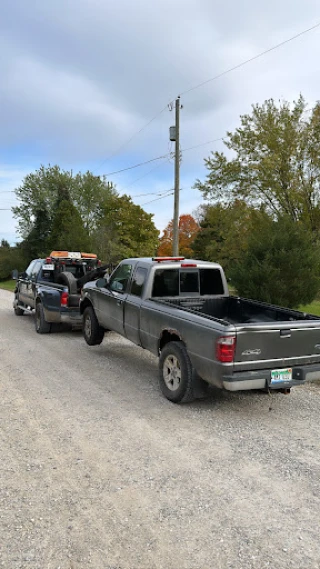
[99,470]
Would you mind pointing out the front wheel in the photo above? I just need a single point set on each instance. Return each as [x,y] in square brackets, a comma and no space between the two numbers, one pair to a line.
[42,326]
[92,332]
[176,374]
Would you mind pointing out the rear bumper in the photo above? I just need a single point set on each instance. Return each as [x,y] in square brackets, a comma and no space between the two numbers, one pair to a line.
[73,318]
[261,379]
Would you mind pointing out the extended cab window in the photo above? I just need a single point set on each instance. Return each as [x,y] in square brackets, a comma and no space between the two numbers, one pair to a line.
[166,282]
[138,281]
[120,278]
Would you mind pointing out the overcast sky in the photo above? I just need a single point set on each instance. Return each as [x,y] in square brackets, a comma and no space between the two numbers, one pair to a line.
[81,78]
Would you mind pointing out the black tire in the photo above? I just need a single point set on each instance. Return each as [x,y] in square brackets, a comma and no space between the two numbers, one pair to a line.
[176,375]
[68,279]
[42,326]
[18,311]
[92,332]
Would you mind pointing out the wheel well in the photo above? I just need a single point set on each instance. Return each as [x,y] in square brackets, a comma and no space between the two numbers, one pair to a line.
[168,336]
[84,305]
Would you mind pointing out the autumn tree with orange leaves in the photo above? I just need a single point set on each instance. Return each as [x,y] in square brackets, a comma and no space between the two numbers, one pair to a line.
[188,229]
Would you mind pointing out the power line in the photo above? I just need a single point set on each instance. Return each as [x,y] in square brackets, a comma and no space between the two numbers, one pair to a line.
[202,144]
[166,195]
[146,174]
[130,139]
[137,165]
[251,59]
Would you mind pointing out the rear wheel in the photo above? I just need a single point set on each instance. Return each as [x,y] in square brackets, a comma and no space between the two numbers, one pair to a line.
[92,332]
[42,326]
[176,374]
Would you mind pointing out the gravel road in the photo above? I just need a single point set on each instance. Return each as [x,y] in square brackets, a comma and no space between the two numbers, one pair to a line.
[99,470]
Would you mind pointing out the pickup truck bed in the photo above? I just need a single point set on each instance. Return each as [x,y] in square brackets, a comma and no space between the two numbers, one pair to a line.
[235,310]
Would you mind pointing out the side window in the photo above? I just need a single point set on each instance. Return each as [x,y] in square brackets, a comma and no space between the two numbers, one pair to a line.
[138,281]
[35,270]
[30,268]
[120,278]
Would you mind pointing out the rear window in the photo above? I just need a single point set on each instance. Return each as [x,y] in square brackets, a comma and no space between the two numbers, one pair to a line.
[179,282]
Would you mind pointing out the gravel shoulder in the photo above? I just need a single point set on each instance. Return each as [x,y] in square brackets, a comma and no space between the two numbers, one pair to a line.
[99,470]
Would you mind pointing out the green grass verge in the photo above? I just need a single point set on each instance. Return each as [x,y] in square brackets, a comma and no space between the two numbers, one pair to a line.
[8,285]
[312,308]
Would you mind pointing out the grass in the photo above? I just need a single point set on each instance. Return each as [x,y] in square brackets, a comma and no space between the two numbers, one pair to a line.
[8,285]
[312,308]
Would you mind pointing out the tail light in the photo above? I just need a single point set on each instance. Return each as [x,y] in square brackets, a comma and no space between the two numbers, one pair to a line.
[64,299]
[225,349]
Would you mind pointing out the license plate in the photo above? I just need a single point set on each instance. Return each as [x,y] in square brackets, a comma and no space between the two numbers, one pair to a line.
[48,267]
[281,375]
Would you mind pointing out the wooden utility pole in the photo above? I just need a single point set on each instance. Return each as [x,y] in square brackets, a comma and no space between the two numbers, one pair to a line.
[175,248]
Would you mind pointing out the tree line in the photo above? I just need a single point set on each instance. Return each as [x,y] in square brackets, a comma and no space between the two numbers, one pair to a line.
[260,216]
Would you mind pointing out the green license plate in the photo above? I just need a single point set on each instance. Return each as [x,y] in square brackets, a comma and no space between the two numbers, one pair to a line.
[281,375]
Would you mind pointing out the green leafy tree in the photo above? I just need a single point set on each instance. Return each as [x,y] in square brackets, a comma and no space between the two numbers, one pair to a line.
[280,265]
[90,194]
[37,242]
[125,230]
[68,231]
[11,258]
[224,231]
[39,193]
[273,159]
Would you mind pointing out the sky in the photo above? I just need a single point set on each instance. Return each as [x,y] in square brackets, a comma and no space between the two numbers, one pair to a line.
[87,85]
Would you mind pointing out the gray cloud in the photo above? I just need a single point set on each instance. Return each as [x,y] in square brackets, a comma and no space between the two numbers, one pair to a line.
[78,78]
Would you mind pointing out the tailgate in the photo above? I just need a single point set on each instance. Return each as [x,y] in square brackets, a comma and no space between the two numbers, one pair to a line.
[277,345]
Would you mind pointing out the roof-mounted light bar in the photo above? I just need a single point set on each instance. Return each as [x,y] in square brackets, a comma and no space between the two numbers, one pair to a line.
[163,259]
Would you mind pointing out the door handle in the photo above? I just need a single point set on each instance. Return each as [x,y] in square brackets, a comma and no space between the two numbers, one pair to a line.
[285,333]
[119,302]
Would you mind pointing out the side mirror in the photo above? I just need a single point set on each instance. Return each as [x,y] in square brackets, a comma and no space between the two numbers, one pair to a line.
[102,282]
[15,274]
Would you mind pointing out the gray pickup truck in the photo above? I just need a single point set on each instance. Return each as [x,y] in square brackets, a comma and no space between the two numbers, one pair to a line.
[51,288]
[181,311]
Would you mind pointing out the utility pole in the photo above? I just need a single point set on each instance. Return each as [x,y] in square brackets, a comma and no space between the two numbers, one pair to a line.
[175,248]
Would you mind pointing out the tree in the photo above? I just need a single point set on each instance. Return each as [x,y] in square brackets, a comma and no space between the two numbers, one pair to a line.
[280,265]
[188,229]
[39,193]
[37,242]
[68,231]
[125,230]
[5,243]
[274,160]
[41,190]
[11,258]
[90,195]
[223,233]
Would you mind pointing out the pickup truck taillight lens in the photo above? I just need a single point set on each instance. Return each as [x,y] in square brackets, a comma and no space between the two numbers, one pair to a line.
[225,349]
[64,299]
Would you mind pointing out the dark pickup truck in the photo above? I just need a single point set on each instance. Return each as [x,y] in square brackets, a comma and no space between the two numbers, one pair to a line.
[51,288]
[181,311]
